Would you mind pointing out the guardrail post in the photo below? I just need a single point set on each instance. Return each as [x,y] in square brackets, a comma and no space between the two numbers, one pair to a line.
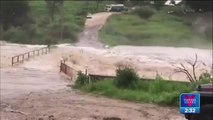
[71,75]
[60,66]
[48,49]
[12,60]
[41,51]
[38,52]
[23,57]
[18,59]
[65,69]
[28,55]
[85,71]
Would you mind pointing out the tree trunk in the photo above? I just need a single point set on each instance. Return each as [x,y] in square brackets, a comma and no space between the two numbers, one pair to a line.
[52,11]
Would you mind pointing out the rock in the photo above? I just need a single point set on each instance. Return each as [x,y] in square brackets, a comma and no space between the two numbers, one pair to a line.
[111,118]
[51,117]
[40,119]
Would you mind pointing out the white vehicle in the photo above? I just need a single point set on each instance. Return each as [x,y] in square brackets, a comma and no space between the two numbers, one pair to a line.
[115,8]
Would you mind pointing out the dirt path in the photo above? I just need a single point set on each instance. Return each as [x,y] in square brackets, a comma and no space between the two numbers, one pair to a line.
[69,104]
[89,37]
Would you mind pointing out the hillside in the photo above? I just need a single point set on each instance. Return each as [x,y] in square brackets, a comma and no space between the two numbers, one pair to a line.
[40,29]
[160,29]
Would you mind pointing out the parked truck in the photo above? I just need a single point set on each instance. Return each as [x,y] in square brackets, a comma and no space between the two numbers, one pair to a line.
[115,8]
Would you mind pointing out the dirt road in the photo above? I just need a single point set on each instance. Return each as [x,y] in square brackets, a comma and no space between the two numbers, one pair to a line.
[89,37]
[72,105]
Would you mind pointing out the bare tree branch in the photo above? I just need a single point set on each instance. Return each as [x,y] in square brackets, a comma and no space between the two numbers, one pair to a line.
[186,72]
[182,68]
[193,67]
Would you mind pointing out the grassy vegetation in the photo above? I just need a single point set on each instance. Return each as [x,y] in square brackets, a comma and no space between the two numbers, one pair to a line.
[127,86]
[41,30]
[150,91]
[160,29]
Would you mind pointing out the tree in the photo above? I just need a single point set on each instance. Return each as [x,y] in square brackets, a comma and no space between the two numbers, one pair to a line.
[159,3]
[120,1]
[204,5]
[53,7]
[11,11]
[97,5]
[135,3]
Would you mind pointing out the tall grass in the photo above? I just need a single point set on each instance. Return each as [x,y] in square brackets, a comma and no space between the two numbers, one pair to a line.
[150,91]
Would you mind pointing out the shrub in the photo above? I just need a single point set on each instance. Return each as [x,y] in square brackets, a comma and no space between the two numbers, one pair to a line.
[80,21]
[126,77]
[144,12]
[54,33]
[82,79]
[67,32]
[168,98]
[43,21]
[158,4]
[16,35]
[205,77]
[176,10]
[74,27]
[208,33]
[82,12]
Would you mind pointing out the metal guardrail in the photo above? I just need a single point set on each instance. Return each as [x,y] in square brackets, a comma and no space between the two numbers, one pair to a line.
[68,70]
[100,77]
[25,56]
[72,73]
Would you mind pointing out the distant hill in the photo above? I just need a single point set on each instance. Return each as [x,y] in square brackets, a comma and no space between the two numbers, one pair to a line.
[201,22]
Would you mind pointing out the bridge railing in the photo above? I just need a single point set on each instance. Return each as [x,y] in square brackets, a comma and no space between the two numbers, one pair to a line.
[67,70]
[25,56]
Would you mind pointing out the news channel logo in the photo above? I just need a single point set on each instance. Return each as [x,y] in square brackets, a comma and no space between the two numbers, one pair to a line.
[190,103]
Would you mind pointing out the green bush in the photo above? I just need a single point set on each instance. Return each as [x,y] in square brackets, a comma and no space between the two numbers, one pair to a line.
[74,27]
[205,77]
[177,10]
[82,79]
[81,12]
[126,77]
[208,33]
[168,98]
[144,12]
[16,35]
[159,4]
[54,32]
[80,21]
[68,33]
